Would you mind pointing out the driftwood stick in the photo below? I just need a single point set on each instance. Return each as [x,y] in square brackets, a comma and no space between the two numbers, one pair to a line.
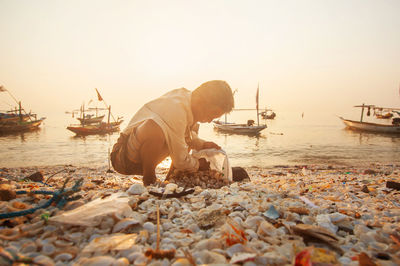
[172,195]
[158,229]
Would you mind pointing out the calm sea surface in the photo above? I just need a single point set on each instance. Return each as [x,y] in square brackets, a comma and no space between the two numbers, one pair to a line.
[315,138]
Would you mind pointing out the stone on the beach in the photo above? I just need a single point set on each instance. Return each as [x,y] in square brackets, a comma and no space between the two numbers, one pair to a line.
[182,262]
[136,189]
[149,226]
[324,221]
[325,208]
[36,177]
[208,244]
[98,261]
[207,218]
[43,260]
[63,257]
[208,257]
[266,229]
[7,192]
[271,213]
[242,257]
[125,224]
[239,174]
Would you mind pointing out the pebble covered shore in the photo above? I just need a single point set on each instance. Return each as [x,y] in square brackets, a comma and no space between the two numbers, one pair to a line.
[284,215]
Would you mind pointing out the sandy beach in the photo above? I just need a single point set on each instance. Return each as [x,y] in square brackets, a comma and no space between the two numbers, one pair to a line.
[283,215]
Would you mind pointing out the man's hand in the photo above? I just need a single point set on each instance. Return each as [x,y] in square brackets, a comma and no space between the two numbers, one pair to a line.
[203,165]
[211,145]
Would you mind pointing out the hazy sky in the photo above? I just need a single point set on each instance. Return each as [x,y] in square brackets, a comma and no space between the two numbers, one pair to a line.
[304,54]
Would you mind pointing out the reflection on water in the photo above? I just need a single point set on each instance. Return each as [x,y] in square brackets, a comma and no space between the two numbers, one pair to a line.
[289,139]
[23,136]
[374,136]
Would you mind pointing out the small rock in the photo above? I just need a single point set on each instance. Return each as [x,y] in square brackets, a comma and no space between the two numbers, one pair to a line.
[365,189]
[239,174]
[43,260]
[36,177]
[7,193]
[369,172]
[208,244]
[136,189]
[99,260]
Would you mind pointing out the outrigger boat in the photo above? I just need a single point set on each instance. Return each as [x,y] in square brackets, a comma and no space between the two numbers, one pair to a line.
[17,120]
[92,125]
[249,128]
[96,129]
[394,127]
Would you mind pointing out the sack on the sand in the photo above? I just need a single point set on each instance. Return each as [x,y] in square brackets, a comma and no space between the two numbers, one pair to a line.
[218,160]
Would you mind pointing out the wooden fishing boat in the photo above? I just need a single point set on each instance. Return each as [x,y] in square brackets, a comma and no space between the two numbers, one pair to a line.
[372,127]
[17,120]
[361,125]
[21,126]
[234,128]
[92,125]
[12,117]
[95,129]
[238,128]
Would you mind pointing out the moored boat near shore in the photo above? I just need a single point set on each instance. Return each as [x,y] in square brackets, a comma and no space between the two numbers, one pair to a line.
[249,129]
[21,126]
[393,128]
[372,127]
[17,120]
[93,129]
[92,125]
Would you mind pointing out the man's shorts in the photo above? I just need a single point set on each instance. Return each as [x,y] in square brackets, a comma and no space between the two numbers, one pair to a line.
[121,154]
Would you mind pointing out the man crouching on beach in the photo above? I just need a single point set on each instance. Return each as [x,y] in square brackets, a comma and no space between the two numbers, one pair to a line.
[166,127]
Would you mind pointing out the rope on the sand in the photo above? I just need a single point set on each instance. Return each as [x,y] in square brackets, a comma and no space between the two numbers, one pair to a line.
[60,197]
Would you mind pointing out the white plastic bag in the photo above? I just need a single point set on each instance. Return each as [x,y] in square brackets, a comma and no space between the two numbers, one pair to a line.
[93,212]
[218,160]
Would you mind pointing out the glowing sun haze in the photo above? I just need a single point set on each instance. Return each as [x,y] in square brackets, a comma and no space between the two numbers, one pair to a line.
[304,54]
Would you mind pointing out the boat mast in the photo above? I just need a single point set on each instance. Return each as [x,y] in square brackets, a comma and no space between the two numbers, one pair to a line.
[18,103]
[362,112]
[258,118]
[101,99]
[109,112]
[19,111]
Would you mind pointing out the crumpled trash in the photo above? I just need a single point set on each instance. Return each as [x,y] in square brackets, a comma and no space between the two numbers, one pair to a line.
[92,213]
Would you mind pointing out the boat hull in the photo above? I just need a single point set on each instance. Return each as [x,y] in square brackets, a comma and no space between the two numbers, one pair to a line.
[98,129]
[371,127]
[238,128]
[21,126]
[10,118]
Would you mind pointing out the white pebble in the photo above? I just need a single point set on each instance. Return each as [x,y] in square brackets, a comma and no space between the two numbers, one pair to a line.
[136,189]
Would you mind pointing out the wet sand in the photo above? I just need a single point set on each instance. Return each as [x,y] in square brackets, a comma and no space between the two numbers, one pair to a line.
[327,214]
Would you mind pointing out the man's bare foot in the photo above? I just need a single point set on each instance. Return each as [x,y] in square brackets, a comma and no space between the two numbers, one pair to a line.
[154,182]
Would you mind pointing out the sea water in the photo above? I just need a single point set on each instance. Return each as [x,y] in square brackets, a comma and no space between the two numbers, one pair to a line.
[292,138]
